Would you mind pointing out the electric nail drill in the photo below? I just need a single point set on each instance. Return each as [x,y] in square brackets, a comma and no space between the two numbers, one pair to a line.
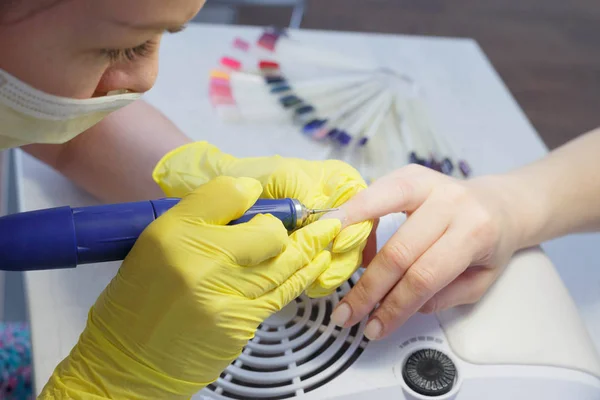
[65,237]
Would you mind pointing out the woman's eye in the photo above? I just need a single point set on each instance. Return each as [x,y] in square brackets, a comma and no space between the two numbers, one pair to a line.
[131,54]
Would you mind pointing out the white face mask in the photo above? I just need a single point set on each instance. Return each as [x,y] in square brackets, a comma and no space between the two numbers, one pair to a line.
[28,115]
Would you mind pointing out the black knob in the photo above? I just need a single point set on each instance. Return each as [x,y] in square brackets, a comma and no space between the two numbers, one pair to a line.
[429,372]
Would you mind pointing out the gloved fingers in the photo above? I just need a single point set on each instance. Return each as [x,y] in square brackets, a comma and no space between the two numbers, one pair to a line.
[307,242]
[298,282]
[352,237]
[302,248]
[261,238]
[290,181]
[259,168]
[342,192]
[182,170]
[339,170]
[219,201]
[340,270]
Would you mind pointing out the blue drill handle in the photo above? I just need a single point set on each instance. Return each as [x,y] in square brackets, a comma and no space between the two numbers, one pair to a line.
[65,237]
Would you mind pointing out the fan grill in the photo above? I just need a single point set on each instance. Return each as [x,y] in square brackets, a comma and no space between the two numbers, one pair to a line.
[296,351]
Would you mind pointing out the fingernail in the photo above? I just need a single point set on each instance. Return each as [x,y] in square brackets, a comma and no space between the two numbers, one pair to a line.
[338,214]
[341,314]
[373,329]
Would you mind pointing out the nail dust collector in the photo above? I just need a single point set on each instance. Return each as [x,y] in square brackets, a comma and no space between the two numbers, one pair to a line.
[524,340]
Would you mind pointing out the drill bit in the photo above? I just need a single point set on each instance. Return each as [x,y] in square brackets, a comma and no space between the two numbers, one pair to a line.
[304,213]
[320,211]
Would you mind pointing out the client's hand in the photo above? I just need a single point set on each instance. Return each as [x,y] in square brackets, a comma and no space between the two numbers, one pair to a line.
[189,296]
[453,245]
[317,184]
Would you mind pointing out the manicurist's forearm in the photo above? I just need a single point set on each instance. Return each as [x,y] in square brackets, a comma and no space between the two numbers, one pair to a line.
[560,194]
[114,159]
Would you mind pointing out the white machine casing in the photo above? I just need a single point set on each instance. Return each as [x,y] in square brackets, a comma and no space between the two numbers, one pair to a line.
[523,340]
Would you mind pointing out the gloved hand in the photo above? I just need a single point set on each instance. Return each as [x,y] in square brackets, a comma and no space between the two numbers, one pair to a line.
[317,184]
[189,296]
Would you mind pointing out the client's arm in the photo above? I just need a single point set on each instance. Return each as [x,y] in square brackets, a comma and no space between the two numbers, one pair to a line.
[114,159]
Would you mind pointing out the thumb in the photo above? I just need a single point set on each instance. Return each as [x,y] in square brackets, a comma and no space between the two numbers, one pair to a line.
[219,201]
[255,241]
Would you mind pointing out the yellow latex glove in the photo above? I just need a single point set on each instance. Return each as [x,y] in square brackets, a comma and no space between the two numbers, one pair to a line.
[317,184]
[189,296]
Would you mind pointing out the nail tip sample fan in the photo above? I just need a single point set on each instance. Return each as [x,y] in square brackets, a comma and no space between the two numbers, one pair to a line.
[340,101]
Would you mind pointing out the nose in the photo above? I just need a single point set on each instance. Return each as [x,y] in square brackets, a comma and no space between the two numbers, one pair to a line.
[137,76]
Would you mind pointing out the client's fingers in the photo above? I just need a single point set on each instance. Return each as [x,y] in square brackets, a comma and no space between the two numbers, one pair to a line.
[403,190]
[370,249]
[466,289]
[400,252]
[434,270]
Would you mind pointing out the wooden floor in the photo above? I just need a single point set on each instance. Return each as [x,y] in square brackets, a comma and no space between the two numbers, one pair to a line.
[547,51]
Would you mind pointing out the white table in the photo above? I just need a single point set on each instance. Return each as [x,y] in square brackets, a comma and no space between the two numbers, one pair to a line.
[468,100]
